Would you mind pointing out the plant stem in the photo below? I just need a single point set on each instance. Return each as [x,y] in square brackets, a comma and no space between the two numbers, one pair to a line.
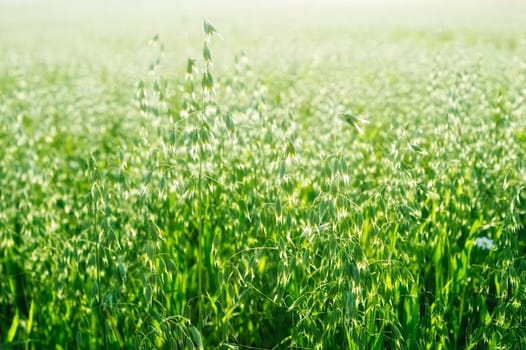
[200,211]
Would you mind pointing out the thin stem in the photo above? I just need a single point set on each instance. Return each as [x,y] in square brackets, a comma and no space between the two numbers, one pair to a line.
[100,310]
[100,305]
[200,211]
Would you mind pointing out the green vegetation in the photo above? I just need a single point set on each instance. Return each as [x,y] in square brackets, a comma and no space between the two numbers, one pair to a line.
[320,178]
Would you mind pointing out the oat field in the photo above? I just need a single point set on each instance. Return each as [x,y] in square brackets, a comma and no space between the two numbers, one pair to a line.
[262,174]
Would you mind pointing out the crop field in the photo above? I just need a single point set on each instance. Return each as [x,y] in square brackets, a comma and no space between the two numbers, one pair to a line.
[262,174]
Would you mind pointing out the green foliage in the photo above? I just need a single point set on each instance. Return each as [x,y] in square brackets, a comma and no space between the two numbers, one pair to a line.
[313,206]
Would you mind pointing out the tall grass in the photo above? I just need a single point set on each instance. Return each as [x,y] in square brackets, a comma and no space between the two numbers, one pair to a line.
[242,210]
